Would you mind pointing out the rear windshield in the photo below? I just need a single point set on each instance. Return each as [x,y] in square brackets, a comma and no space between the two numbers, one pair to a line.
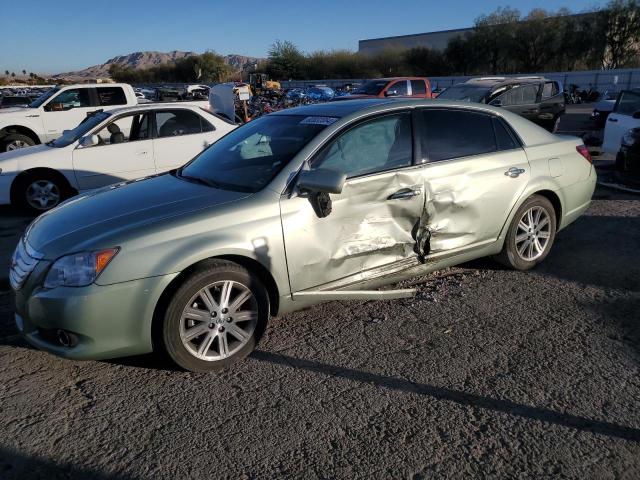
[249,157]
[465,93]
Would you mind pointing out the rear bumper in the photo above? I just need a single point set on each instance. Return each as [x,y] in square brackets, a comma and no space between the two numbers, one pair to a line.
[105,321]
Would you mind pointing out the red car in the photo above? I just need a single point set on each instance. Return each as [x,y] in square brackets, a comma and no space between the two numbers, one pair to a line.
[414,87]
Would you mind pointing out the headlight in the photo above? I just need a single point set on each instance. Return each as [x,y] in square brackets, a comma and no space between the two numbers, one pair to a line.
[78,269]
[631,137]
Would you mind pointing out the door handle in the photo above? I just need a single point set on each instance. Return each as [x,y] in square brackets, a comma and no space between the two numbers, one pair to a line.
[404,194]
[613,119]
[514,172]
[144,152]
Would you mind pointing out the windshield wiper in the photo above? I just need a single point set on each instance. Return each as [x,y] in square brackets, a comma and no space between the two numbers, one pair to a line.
[201,181]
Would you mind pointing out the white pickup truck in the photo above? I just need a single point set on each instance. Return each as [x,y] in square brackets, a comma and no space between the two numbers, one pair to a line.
[59,109]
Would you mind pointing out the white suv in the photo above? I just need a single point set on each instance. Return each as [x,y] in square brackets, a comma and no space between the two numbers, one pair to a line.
[105,148]
[59,109]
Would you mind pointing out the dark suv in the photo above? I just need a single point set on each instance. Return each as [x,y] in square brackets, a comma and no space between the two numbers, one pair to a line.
[535,98]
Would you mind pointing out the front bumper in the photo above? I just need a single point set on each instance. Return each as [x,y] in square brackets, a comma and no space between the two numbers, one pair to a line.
[107,321]
[5,188]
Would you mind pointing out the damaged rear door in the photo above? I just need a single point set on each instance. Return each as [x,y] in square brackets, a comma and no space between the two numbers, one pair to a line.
[373,222]
[475,172]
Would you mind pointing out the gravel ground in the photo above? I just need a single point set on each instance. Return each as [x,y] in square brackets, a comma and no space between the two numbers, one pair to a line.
[486,373]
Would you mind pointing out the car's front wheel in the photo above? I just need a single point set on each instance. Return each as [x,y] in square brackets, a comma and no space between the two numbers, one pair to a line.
[40,192]
[530,235]
[216,317]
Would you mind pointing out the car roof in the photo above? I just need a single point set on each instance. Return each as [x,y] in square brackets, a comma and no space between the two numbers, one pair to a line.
[153,106]
[348,110]
[495,81]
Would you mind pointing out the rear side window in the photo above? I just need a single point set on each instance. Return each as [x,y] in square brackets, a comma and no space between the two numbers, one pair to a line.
[451,134]
[109,96]
[418,87]
[172,123]
[519,96]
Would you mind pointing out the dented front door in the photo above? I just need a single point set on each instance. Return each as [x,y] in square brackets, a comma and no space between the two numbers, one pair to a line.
[374,221]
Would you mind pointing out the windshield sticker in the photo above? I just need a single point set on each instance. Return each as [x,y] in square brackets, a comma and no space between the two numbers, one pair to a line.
[318,121]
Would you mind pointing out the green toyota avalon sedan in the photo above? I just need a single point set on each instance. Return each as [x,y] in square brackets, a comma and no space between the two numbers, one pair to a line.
[323,202]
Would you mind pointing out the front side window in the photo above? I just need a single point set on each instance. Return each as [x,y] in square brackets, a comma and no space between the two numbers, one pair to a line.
[88,124]
[418,87]
[129,128]
[173,123]
[398,88]
[109,96]
[449,134]
[628,103]
[249,157]
[376,145]
[68,99]
[549,90]
[372,87]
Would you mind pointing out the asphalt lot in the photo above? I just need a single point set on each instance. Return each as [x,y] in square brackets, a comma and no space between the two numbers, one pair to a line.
[486,373]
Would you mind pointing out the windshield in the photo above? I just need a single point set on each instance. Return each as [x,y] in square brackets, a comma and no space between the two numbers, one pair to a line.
[248,158]
[70,136]
[372,87]
[465,93]
[44,97]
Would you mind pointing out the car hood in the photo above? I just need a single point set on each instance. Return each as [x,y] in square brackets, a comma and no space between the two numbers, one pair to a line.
[86,220]
[17,159]
[354,97]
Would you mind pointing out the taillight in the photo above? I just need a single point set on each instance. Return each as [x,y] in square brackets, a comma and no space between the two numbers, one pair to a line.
[584,151]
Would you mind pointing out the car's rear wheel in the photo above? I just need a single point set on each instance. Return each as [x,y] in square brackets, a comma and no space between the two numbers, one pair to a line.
[530,235]
[215,318]
[14,141]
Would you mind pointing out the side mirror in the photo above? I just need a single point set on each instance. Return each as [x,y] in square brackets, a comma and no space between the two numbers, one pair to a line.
[391,93]
[318,184]
[89,141]
[636,115]
[321,180]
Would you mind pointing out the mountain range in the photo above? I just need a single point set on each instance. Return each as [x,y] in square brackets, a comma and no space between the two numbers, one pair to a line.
[148,60]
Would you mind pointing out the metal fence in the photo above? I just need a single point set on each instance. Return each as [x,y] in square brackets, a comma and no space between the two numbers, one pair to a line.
[600,80]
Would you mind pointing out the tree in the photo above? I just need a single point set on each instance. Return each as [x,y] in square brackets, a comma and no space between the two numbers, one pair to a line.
[623,33]
[459,56]
[6,72]
[285,60]
[24,72]
[493,37]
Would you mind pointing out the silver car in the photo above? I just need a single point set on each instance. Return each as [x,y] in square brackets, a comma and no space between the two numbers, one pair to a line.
[323,202]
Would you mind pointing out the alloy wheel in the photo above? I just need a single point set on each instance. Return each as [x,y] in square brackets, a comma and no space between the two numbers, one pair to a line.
[43,195]
[533,233]
[219,320]
[16,144]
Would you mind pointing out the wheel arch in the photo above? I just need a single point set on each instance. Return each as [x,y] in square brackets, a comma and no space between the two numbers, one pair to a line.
[249,263]
[51,172]
[555,202]
[20,129]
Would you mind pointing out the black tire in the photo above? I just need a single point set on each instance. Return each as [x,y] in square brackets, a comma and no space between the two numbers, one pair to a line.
[509,255]
[20,191]
[12,138]
[210,273]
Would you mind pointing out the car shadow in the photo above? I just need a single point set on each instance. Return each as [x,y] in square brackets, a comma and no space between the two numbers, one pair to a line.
[539,414]
[15,465]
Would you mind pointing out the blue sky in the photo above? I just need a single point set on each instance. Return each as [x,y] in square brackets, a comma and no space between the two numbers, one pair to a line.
[60,36]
